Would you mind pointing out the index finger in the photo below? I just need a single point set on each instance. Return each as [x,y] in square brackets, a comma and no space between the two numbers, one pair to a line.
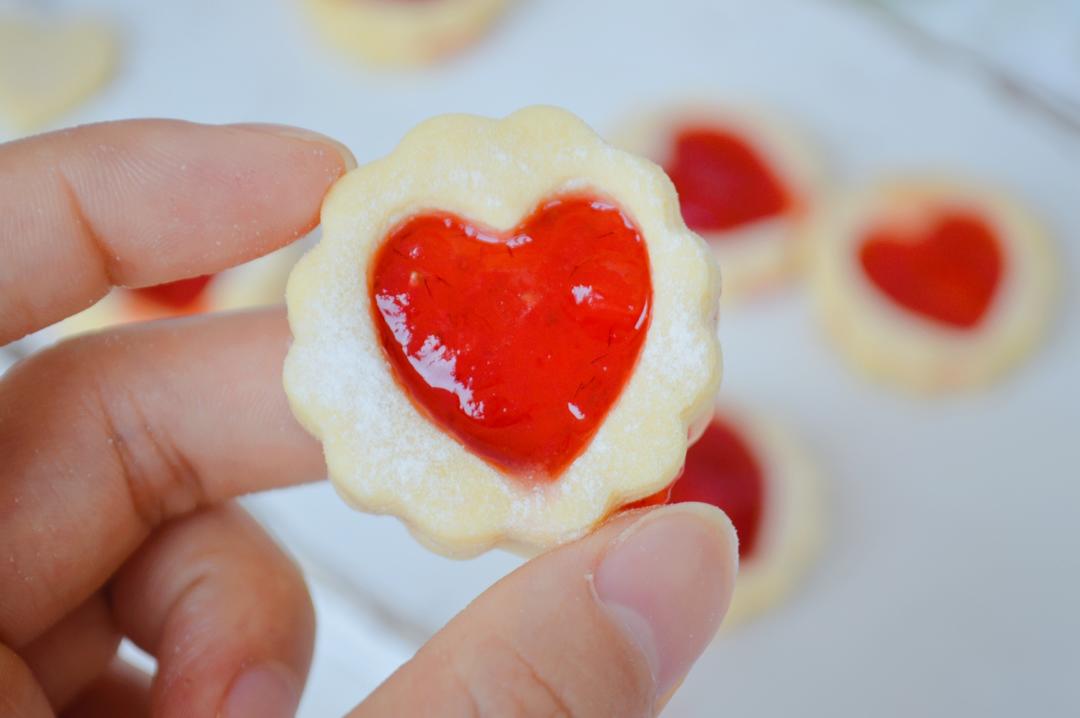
[144,202]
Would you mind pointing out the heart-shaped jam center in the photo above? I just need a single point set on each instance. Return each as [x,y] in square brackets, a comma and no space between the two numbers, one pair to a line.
[517,343]
[721,470]
[723,182]
[181,296]
[948,271]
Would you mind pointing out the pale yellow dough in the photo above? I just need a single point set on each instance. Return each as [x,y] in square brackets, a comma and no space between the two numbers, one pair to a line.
[792,527]
[901,347]
[383,455]
[47,68]
[764,253]
[400,32]
[257,283]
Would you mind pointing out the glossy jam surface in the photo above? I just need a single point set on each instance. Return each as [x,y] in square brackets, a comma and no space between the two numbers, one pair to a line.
[948,271]
[178,296]
[723,182]
[721,470]
[517,343]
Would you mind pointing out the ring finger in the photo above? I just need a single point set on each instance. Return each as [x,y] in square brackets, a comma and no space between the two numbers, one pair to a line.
[211,596]
[225,612]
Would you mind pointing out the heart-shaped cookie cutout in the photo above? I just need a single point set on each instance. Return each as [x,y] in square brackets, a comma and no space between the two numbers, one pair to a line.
[46,69]
[723,181]
[516,343]
[948,270]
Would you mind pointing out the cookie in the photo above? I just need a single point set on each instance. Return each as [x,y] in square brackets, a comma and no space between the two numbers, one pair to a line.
[505,333]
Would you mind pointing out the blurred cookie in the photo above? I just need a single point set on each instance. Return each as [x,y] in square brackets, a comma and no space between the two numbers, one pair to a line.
[260,282]
[932,284]
[48,67]
[403,32]
[745,181]
[766,483]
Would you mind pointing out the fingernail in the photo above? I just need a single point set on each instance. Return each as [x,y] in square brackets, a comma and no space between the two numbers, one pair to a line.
[300,133]
[667,582]
[268,690]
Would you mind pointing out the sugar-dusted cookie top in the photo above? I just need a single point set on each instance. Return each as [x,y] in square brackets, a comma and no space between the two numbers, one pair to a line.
[505,333]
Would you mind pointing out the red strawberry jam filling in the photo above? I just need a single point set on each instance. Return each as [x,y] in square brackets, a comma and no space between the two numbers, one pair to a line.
[723,182]
[181,296]
[177,295]
[721,470]
[947,271]
[516,343]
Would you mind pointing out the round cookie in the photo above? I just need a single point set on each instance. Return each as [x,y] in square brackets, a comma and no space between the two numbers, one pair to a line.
[765,481]
[259,282]
[932,284]
[403,32]
[49,66]
[745,181]
[505,332]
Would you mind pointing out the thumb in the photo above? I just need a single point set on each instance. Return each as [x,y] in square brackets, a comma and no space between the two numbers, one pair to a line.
[608,625]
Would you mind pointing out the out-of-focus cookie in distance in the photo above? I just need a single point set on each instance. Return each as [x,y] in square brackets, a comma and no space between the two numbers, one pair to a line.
[932,284]
[260,282]
[49,66]
[767,484]
[745,180]
[404,32]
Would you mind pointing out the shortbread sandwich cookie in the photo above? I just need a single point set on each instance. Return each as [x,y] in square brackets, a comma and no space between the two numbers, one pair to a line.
[403,32]
[767,484]
[505,333]
[49,66]
[932,284]
[260,282]
[746,182]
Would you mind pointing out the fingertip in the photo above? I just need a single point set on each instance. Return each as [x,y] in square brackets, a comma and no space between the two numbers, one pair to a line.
[608,625]
[270,690]
[348,160]
[666,581]
[142,202]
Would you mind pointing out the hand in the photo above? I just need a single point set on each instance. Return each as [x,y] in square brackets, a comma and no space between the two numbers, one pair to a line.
[120,452]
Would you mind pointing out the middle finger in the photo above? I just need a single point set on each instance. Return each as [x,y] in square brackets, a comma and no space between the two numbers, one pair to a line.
[106,437]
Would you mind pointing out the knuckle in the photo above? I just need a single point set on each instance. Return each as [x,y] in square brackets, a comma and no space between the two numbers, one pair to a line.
[83,383]
[255,559]
[285,593]
[160,480]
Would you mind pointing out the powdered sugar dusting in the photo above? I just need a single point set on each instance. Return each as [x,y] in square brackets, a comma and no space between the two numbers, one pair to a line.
[384,454]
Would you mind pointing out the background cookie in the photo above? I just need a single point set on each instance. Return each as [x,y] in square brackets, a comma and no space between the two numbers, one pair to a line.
[932,284]
[403,32]
[746,181]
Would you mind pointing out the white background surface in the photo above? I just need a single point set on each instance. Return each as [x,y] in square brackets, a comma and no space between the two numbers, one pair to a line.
[951,581]
[1034,44]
